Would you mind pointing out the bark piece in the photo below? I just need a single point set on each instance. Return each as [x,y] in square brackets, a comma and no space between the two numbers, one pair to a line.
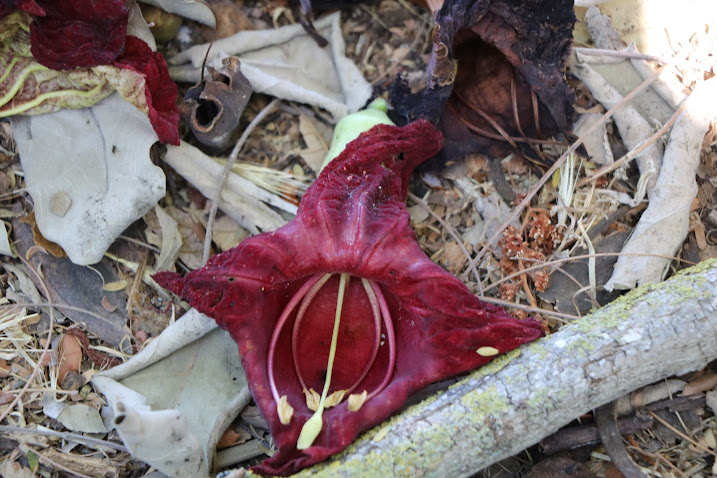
[612,441]
[665,223]
[571,438]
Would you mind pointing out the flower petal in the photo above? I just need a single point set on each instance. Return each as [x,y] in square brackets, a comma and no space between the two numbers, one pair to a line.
[160,91]
[78,33]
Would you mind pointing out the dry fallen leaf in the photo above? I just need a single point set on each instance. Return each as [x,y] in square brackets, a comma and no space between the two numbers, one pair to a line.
[227,233]
[453,258]
[287,63]
[192,237]
[316,145]
[171,240]
[70,356]
[89,173]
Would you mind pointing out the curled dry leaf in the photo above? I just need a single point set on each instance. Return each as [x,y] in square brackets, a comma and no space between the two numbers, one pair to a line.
[188,373]
[5,247]
[138,27]
[701,384]
[171,240]
[213,106]
[665,223]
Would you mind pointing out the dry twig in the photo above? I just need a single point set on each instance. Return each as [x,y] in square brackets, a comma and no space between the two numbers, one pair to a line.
[268,109]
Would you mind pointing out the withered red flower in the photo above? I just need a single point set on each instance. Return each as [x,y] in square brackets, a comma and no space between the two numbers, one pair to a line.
[77,33]
[160,91]
[70,34]
[340,311]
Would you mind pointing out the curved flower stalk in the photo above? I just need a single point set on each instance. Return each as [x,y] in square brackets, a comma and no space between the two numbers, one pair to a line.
[339,315]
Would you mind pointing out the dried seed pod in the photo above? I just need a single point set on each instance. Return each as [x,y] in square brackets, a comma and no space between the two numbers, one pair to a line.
[213,106]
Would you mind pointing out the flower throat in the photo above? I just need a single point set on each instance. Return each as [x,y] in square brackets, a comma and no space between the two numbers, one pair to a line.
[365,334]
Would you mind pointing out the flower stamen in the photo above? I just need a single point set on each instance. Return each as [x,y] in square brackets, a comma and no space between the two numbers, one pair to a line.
[356,401]
[313,425]
[312,399]
[335,398]
[487,351]
[390,338]
[297,325]
[284,410]
[280,325]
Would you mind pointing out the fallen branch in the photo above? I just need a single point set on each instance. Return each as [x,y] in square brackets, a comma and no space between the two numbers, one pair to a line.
[649,334]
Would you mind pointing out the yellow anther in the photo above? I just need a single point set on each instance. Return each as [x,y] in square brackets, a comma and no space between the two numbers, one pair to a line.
[312,399]
[284,410]
[356,401]
[335,398]
[488,351]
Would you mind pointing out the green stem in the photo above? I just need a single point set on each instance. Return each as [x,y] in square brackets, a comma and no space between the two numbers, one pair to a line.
[313,425]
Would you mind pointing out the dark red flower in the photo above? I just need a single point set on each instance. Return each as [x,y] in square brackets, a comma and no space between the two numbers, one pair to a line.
[78,33]
[403,321]
[160,91]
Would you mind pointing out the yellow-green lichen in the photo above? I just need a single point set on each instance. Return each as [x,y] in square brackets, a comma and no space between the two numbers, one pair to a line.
[538,350]
[486,402]
[688,285]
[704,266]
[539,397]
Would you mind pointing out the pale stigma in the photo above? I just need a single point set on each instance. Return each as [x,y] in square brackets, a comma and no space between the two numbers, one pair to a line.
[313,425]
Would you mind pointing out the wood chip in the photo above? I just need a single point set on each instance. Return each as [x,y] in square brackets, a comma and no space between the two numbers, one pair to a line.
[701,384]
